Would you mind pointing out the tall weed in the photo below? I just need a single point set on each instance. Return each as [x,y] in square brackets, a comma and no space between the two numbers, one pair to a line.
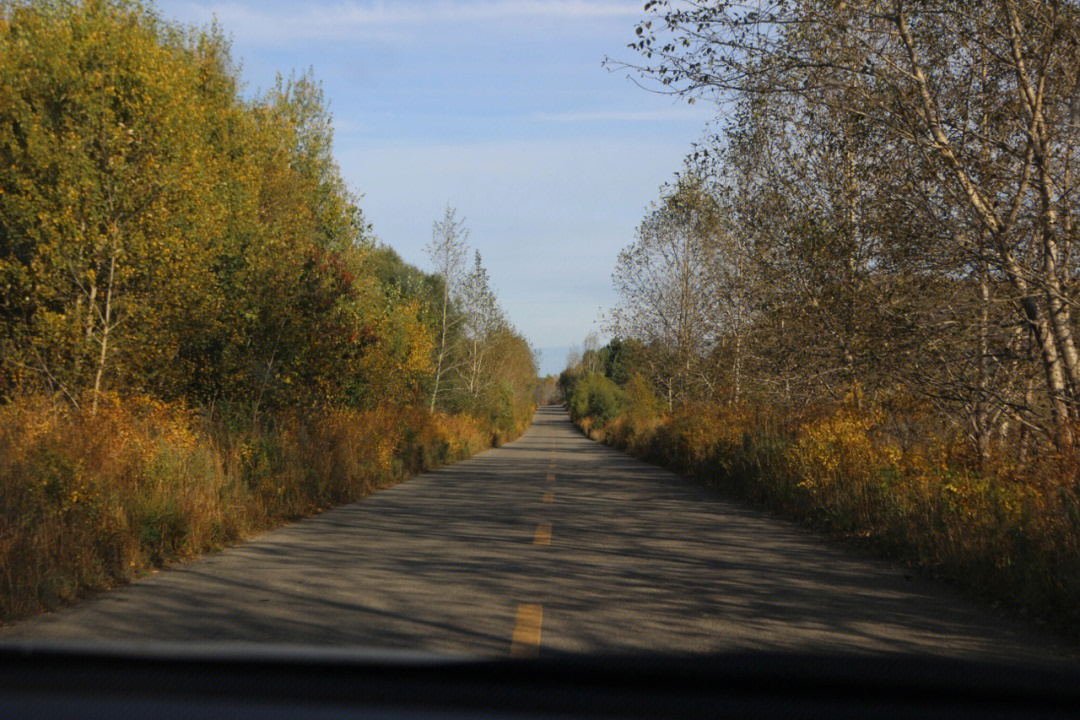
[1003,533]
[90,501]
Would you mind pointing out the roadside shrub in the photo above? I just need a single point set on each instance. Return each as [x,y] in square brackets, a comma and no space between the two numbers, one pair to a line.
[997,531]
[90,501]
[642,404]
[597,398]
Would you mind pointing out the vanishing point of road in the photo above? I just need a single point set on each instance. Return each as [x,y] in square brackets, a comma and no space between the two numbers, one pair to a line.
[552,543]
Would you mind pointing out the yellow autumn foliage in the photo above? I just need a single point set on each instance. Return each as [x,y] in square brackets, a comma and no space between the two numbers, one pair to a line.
[1014,535]
[87,503]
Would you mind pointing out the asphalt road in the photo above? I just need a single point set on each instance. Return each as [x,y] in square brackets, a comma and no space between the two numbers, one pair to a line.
[551,543]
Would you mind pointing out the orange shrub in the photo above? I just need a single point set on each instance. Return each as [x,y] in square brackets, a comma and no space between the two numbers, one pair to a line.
[1010,534]
[90,501]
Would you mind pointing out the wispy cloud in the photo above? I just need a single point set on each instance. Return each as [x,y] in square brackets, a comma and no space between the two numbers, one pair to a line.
[341,20]
[548,215]
[677,113]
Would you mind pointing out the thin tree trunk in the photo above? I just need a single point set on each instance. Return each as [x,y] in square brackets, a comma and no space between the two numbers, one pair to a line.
[1060,318]
[738,364]
[88,333]
[980,411]
[1024,443]
[1052,369]
[442,348]
[106,327]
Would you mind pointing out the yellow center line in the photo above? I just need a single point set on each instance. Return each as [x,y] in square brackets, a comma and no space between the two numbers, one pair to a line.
[526,640]
[549,497]
[543,534]
[551,477]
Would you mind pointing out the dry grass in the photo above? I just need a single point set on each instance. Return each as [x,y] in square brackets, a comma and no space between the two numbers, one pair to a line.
[90,502]
[1008,534]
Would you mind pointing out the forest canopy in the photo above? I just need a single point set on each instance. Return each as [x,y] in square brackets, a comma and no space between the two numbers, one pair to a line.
[163,233]
[888,210]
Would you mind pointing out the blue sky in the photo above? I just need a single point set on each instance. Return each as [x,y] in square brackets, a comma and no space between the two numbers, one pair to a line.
[498,107]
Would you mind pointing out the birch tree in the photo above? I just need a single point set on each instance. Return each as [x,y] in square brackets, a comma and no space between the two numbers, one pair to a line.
[984,95]
[482,319]
[446,251]
[667,294]
[95,141]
